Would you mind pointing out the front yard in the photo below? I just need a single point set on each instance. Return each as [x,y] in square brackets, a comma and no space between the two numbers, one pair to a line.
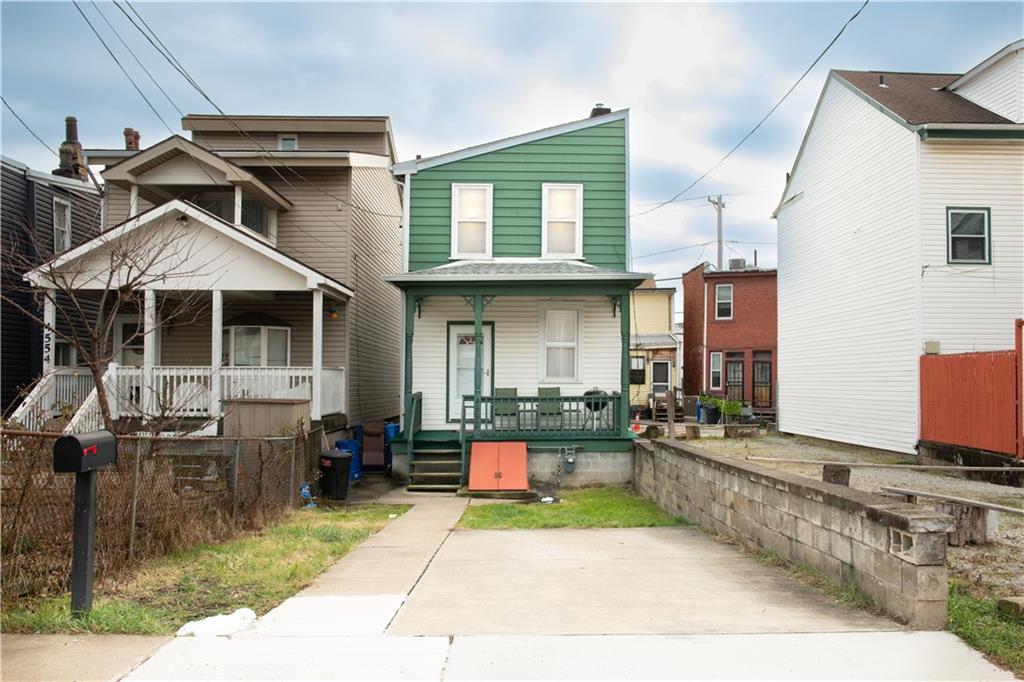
[257,571]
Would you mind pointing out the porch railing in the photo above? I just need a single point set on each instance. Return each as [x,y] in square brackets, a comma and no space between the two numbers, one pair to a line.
[542,417]
[62,389]
[89,416]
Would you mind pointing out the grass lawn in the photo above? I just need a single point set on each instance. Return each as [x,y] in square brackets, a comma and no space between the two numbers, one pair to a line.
[976,621]
[257,571]
[605,507]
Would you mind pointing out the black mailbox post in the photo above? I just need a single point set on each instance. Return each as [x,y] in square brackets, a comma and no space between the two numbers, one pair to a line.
[83,455]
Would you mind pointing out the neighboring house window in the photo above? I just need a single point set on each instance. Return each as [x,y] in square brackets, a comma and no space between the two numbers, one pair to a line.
[637,374]
[969,235]
[723,301]
[716,371]
[560,347]
[64,354]
[61,225]
[254,216]
[256,346]
[471,221]
[287,143]
[562,218]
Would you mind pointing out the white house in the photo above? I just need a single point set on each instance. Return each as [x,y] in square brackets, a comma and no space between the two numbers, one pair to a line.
[901,225]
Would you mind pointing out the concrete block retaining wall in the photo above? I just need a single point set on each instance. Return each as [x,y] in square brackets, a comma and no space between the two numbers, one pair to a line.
[592,468]
[893,552]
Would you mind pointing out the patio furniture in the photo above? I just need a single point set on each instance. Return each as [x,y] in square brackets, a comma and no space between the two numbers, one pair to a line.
[506,408]
[549,407]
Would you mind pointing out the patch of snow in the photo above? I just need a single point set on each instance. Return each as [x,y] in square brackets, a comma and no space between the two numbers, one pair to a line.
[223,625]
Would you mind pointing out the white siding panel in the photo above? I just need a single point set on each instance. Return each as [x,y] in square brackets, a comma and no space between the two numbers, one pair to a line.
[847,290]
[516,348]
[972,307]
[1000,88]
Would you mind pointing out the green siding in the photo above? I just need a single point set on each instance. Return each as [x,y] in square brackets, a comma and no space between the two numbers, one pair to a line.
[594,156]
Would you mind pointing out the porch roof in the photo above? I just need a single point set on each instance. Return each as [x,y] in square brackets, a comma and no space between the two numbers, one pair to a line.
[517,269]
[237,258]
[641,341]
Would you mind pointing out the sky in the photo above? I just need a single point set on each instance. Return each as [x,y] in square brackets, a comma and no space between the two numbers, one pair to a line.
[695,76]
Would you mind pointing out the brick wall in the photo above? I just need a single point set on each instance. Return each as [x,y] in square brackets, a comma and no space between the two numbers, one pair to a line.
[893,552]
[693,330]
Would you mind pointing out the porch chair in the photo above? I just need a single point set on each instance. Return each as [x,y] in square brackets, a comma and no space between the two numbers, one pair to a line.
[506,407]
[549,411]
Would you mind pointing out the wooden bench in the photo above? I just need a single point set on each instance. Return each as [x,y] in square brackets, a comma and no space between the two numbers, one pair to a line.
[976,521]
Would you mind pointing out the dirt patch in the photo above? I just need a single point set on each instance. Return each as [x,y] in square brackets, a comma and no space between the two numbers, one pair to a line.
[995,569]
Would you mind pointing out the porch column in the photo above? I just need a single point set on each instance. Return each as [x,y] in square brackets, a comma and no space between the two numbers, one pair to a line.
[318,353]
[410,322]
[133,201]
[216,350]
[624,318]
[149,332]
[49,342]
[238,204]
[478,357]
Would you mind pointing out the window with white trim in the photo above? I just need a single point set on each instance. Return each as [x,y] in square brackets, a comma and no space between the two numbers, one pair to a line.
[61,225]
[562,220]
[723,301]
[256,346]
[968,234]
[716,371]
[560,344]
[287,143]
[471,220]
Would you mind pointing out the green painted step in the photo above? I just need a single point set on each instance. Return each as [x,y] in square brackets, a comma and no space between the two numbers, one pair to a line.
[433,487]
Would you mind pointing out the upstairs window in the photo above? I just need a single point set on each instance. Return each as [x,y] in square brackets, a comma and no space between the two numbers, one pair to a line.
[61,225]
[968,232]
[562,219]
[471,221]
[723,301]
[288,143]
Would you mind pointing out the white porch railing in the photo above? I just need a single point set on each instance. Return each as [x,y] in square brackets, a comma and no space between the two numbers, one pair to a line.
[63,389]
[89,416]
[332,390]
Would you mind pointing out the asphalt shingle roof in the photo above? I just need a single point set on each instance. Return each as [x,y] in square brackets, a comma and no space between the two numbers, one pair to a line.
[919,98]
[516,270]
[652,341]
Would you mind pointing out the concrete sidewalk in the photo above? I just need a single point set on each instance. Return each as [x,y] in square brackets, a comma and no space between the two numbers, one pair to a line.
[27,658]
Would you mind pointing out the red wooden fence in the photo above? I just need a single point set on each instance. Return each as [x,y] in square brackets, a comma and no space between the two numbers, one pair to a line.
[972,400]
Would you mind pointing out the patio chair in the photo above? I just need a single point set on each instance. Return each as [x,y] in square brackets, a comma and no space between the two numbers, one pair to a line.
[549,412]
[506,408]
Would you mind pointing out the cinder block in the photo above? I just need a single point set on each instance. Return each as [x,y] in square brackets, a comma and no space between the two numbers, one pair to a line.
[804,532]
[929,549]
[924,582]
[822,541]
[813,511]
[929,615]
[888,569]
[876,535]
[863,556]
[841,547]
[852,525]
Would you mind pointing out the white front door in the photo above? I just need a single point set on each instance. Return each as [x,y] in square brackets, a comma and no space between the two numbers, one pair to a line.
[461,365]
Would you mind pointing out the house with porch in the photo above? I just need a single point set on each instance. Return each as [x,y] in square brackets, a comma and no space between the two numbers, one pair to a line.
[517,308]
[244,264]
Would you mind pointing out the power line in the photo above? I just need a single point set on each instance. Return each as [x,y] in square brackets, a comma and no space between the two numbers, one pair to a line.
[704,244]
[29,129]
[763,118]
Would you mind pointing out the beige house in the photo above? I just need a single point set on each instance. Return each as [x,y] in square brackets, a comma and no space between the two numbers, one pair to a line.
[654,354]
[278,231]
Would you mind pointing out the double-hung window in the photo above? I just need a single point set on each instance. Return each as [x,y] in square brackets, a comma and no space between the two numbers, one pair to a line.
[560,344]
[969,235]
[562,220]
[716,371]
[723,301]
[61,225]
[471,220]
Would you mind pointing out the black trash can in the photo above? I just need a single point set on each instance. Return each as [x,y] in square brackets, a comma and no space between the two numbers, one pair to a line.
[334,466]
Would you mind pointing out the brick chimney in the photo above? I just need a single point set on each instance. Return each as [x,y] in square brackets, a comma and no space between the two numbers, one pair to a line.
[599,110]
[72,161]
[131,139]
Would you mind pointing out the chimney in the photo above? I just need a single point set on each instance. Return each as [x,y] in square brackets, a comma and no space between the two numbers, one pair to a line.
[599,110]
[72,162]
[131,140]
[881,81]
[136,136]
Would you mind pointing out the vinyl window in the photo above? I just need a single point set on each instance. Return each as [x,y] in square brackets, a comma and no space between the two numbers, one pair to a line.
[287,143]
[61,225]
[471,220]
[723,301]
[256,346]
[968,234]
[562,218]
[716,371]
[560,347]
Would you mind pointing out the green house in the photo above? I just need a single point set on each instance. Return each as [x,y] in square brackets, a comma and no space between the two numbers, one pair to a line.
[516,292]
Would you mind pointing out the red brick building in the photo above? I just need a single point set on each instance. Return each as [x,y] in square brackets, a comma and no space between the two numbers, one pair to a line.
[729,333]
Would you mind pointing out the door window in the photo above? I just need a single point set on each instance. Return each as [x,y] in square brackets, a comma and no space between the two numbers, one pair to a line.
[734,379]
[763,379]
[132,344]
[659,376]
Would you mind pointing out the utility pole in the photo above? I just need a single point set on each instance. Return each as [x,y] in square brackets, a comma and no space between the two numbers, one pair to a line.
[719,205]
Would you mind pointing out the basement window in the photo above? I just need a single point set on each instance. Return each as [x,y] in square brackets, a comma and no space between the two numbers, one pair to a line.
[968,232]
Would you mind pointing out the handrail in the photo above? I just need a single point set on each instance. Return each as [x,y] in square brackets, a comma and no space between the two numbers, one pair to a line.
[89,416]
[541,416]
[413,422]
[31,413]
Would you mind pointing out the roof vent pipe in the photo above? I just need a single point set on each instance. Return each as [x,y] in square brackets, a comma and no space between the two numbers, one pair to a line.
[599,110]
[881,81]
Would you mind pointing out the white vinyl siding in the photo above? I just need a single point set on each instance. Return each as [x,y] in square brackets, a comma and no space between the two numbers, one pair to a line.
[517,334]
[472,206]
[847,282]
[1000,88]
[971,307]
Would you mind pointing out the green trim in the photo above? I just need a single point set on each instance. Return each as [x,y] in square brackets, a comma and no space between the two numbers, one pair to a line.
[447,369]
[971,134]
[988,235]
[526,288]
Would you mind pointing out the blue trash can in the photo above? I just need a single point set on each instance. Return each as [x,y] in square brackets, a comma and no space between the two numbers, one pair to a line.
[355,469]
[391,431]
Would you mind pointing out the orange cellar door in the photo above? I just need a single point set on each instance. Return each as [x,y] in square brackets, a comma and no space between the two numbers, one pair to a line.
[498,466]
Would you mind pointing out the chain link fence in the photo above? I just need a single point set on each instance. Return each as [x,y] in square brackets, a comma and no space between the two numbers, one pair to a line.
[164,494]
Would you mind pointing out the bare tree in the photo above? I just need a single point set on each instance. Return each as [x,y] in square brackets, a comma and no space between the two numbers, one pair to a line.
[90,290]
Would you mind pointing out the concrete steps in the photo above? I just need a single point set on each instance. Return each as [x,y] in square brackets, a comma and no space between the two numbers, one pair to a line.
[436,470]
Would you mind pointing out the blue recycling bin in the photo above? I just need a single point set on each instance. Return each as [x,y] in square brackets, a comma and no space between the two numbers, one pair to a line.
[355,469]
[391,431]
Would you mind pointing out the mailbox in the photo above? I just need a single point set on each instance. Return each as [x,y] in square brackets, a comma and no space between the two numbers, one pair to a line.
[84,452]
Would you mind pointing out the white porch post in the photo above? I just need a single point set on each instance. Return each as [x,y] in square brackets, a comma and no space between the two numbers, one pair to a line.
[133,201]
[318,353]
[238,204]
[149,332]
[49,342]
[216,351]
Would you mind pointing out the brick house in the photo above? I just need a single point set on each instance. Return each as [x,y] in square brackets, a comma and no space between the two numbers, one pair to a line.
[729,333]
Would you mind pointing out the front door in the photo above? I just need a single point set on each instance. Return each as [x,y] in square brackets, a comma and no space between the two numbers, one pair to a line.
[461,365]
